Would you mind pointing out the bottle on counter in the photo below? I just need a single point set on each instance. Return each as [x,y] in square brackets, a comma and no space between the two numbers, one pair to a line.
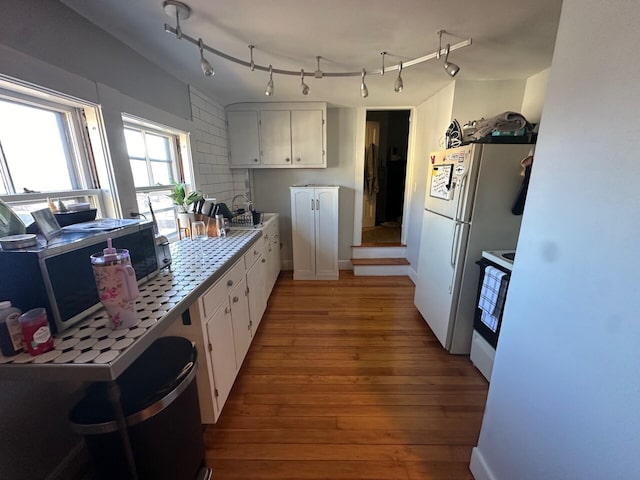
[11,341]
[35,331]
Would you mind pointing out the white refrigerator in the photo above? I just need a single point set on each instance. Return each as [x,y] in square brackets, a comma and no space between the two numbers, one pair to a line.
[470,192]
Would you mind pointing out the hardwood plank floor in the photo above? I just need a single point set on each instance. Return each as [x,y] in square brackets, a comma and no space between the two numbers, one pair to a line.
[344,380]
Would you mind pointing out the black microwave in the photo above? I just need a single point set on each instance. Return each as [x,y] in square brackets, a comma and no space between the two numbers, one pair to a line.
[58,276]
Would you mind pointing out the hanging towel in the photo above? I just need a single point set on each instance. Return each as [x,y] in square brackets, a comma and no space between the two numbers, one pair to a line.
[371,170]
[493,292]
[490,321]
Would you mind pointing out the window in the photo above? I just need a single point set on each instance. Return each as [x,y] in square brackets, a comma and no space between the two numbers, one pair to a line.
[156,160]
[43,153]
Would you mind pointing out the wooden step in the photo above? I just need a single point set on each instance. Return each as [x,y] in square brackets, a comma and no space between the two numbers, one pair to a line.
[380,266]
[380,261]
[379,251]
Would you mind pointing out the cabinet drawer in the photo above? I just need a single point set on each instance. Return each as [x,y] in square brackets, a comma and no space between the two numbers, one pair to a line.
[212,299]
[254,253]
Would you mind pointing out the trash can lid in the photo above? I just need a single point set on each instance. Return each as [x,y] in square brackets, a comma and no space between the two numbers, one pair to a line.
[153,375]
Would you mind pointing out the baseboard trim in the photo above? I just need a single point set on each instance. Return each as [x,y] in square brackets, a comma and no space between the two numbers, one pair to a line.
[479,467]
[74,466]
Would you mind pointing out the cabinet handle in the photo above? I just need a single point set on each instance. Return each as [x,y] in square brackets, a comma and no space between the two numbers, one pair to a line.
[255,252]
[235,299]
[312,204]
[255,160]
[287,160]
[227,310]
[229,283]
[298,159]
[263,260]
[317,204]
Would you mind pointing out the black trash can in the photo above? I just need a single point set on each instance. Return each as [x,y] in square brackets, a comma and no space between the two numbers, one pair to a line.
[160,402]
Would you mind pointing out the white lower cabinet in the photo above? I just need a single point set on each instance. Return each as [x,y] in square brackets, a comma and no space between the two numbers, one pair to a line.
[256,265]
[314,228]
[221,352]
[225,318]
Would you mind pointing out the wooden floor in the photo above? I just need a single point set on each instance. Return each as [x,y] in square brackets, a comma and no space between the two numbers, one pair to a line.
[344,380]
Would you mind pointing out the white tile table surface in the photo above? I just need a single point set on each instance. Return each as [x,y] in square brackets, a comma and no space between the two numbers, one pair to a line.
[91,350]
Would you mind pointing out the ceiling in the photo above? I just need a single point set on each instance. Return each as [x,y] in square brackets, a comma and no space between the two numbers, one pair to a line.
[512,39]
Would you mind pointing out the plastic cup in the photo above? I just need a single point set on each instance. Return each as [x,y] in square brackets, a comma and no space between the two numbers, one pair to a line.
[117,287]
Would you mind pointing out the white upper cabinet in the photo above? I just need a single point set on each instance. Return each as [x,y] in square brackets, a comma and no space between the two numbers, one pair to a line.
[284,135]
[244,141]
[307,134]
[275,126]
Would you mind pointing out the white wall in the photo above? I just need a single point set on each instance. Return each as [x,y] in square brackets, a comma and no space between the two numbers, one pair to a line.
[565,388]
[428,125]
[534,93]
[474,99]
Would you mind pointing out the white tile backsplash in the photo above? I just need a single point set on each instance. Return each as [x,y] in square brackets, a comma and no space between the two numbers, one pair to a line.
[209,151]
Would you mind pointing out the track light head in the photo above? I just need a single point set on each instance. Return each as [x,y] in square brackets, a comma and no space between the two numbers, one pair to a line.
[206,67]
[269,90]
[451,68]
[364,91]
[398,85]
[304,88]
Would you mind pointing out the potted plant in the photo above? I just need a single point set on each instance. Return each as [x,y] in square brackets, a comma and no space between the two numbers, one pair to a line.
[183,201]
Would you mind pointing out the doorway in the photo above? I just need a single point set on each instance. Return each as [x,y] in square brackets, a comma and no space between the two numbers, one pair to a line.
[385,170]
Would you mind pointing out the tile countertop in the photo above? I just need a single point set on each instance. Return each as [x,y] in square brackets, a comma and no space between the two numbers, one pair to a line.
[91,350]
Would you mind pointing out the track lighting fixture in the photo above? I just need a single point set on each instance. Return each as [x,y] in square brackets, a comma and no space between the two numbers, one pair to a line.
[178,11]
[304,88]
[451,68]
[398,85]
[269,90]
[364,91]
[206,67]
[252,65]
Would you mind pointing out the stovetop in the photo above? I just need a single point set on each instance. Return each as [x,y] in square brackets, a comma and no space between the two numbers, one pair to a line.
[504,258]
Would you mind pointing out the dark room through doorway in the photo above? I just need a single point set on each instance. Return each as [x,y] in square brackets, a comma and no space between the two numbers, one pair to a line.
[385,169]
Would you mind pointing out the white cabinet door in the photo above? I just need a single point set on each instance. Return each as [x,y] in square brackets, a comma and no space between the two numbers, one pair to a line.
[306,137]
[244,143]
[275,138]
[326,233]
[273,258]
[240,321]
[257,285]
[303,233]
[223,359]
[314,225]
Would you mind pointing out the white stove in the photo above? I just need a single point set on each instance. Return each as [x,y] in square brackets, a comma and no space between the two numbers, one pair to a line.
[482,352]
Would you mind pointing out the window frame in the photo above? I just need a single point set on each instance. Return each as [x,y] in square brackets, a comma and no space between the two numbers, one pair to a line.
[180,168]
[80,159]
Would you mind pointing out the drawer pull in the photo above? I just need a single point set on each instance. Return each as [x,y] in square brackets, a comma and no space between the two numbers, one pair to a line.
[229,283]
[235,299]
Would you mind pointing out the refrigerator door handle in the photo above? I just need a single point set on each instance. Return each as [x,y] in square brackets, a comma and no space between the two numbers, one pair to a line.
[455,245]
[460,186]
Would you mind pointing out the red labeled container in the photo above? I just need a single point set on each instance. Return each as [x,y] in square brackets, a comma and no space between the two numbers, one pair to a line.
[35,331]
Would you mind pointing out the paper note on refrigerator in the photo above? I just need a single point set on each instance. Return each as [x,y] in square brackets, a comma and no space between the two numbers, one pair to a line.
[441,181]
